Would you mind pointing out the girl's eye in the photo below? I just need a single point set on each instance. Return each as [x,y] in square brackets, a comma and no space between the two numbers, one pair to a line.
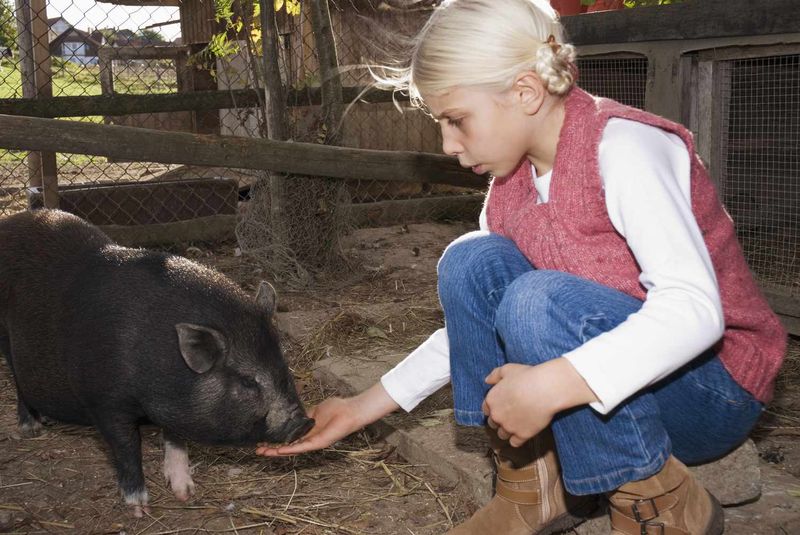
[455,122]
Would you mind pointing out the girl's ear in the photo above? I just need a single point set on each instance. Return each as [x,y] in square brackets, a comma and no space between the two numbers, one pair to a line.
[529,92]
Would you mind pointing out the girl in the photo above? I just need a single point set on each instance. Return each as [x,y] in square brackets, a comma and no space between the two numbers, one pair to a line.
[603,323]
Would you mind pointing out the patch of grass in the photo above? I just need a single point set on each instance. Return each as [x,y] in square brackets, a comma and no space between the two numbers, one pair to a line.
[145,81]
[73,80]
[70,79]
[10,81]
[12,156]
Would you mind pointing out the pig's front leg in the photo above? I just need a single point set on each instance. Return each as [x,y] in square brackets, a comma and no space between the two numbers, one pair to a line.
[123,437]
[176,467]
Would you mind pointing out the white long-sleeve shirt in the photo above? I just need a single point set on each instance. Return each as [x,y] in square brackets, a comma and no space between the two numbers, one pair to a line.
[646,178]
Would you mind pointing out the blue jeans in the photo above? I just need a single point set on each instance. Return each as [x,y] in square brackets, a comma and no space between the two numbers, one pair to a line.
[499,309]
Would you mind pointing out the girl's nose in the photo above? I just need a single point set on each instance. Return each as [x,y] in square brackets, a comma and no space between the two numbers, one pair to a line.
[450,146]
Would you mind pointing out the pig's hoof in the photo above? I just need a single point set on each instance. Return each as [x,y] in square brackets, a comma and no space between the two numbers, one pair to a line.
[140,510]
[30,429]
[181,483]
[138,502]
[183,490]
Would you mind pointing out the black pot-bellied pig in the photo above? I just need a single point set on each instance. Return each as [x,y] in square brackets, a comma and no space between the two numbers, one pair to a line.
[99,334]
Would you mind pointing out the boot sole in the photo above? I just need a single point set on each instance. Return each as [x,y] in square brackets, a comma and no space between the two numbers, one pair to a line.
[570,519]
[717,524]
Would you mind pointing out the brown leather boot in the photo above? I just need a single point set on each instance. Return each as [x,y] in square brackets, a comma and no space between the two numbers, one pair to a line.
[529,494]
[670,502]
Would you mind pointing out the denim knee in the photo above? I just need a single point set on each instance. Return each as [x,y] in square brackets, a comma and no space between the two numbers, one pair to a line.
[526,318]
[467,261]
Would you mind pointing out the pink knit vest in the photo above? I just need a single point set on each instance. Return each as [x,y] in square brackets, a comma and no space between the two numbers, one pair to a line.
[573,233]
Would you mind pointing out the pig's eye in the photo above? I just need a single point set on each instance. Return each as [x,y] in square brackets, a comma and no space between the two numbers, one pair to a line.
[249,383]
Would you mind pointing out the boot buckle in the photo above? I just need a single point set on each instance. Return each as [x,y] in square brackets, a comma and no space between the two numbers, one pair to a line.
[644,518]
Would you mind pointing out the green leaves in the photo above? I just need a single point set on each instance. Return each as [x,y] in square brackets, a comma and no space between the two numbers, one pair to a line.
[220,46]
[241,18]
[8,24]
[223,10]
[292,6]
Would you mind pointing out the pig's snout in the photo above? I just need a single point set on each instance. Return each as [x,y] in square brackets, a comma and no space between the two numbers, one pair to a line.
[297,427]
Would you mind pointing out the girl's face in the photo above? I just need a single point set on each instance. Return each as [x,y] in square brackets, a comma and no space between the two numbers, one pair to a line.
[486,130]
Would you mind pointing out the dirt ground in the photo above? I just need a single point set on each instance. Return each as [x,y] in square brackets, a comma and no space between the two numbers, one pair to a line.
[62,481]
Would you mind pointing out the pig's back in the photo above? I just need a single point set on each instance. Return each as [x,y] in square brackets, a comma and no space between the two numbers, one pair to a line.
[43,242]
[42,251]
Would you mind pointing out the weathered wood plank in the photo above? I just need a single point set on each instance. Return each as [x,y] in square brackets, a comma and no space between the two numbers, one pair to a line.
[693,19]
[276,119]
[147,202]
[36,71]
[139,144]
[786,305]
[202,229]
[790,323]
[782,301]
[209,228]
[383,213]
[113,105]
[332,98]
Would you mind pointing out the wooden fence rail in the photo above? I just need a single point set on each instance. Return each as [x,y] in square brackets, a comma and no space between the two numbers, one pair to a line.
[111,105]
[140,144]
[691,19]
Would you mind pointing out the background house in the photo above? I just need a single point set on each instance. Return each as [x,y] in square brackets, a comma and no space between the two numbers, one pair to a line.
[72,44]
[57,25]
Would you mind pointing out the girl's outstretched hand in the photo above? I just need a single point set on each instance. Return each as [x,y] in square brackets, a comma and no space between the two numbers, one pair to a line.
[524,399]
[334,419]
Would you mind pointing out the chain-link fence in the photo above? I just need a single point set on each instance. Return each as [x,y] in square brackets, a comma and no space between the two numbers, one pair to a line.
[112,49]
[79,50]
[59,54]
[107,49]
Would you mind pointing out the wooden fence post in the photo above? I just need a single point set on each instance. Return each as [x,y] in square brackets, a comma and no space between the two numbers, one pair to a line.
[36,71]
[106,64]
[277,124]
[328,69]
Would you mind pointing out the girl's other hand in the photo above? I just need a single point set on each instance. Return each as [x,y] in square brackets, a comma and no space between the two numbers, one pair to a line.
[524,399]
[334,419]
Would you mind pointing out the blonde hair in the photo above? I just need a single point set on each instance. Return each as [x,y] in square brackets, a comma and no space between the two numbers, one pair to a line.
[485,43]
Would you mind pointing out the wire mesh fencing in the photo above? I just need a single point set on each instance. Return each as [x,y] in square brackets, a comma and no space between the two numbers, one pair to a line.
[127,50]
[79,50]
[370,36]
[109,49]
[112,49]
[60,56]
[623,79]
[759,163]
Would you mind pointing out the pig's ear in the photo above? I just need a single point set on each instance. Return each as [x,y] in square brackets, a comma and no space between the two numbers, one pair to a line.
[266,296]
[201,347]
